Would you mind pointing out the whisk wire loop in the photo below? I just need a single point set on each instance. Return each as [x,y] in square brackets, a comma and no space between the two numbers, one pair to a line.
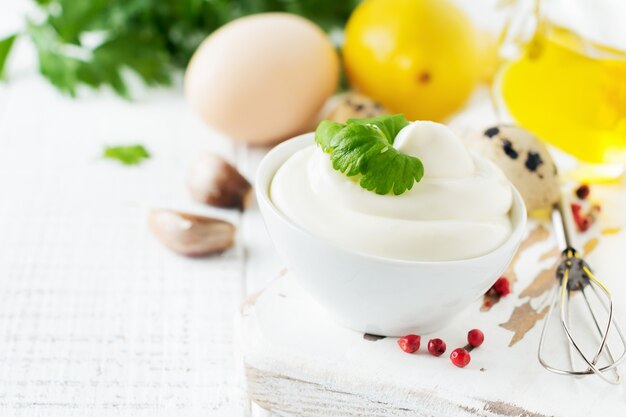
[575,275]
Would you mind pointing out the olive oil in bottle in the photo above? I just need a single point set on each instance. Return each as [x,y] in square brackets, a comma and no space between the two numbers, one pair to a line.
[571,93]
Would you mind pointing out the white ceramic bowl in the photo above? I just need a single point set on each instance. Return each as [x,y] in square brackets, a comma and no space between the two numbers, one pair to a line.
[373,294]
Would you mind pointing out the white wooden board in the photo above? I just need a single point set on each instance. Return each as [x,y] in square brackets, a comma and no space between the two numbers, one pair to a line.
[298,362]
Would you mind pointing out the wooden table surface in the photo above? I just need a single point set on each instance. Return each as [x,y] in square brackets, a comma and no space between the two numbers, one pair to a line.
[96,317]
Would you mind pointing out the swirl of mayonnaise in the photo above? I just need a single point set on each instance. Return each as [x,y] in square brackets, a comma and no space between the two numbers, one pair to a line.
[460,208]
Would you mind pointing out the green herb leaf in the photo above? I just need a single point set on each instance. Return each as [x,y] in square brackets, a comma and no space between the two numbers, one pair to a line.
[324,133]
[127,155]
[364,148]
[5,48]
[92,42]
[54,64]
[389,125]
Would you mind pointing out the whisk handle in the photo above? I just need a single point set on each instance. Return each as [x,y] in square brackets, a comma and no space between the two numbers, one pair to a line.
[561,231]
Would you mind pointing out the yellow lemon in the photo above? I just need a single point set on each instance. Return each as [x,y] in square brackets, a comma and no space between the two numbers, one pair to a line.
[417,57]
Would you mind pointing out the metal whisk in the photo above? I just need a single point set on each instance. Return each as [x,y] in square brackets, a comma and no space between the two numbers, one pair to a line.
[575,277]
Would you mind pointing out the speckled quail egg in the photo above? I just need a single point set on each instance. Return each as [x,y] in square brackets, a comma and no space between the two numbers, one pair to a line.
[351,106]
[524,160]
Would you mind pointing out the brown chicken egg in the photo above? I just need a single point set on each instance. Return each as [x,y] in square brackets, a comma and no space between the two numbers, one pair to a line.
[263,78]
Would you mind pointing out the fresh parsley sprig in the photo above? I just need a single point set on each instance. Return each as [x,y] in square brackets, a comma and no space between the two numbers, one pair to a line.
[364,147]
[97,42]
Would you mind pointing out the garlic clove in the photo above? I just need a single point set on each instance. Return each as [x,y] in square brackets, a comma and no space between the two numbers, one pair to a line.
[190,234]
[214,181]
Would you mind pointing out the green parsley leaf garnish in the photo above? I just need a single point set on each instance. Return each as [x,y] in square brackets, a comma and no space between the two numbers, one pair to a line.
[389,125]
[364,148]
[325,132]
[127,155]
